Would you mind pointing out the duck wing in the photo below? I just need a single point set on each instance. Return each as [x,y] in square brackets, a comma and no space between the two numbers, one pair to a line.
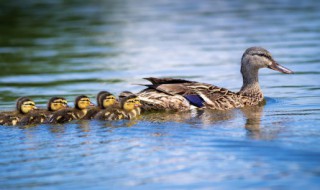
[91,113]
[198,94]
[63,116]
[110,114]
[34,118]
[156,81]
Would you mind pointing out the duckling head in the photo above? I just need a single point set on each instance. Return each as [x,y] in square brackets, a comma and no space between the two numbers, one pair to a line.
[57,103]
[255,58]
[107,100]
[130,102]
[124,94]
[25,105]
[82,102]
[99,95]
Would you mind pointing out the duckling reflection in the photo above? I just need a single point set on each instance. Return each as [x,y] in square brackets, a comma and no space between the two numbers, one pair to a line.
[205,116]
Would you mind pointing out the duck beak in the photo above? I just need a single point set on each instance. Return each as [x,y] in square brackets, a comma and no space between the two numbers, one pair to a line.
[138,105]
[35,108]
[277,67]
[91,104]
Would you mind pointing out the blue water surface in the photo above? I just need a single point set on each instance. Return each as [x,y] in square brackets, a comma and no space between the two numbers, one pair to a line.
[68,48]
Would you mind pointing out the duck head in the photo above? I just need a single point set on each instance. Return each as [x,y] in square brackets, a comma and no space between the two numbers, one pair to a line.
[107,100]
[99,95]
[130,102]
[255,58]
[57,103]
[25,105]
[124,94]
[82,102]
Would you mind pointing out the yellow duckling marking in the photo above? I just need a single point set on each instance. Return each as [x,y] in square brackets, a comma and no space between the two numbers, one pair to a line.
[84,103]
[109,101]
[58,104]
[27,106]
[14,122]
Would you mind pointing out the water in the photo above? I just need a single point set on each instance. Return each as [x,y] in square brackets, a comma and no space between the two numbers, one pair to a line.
[71,48]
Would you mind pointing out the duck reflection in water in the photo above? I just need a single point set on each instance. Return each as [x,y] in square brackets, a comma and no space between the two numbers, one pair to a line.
[226,119]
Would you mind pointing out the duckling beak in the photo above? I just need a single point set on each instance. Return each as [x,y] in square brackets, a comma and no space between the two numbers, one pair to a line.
[35,108]
[277,67]
[91,104]
[137,105]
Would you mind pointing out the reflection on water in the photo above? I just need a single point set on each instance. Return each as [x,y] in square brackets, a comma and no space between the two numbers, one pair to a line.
[67,48]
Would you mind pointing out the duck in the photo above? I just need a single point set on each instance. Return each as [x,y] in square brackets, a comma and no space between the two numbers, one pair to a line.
[81,104]
[104,100]
[24,106]
[127,110]
[169,94]
[42,115]
[124,94]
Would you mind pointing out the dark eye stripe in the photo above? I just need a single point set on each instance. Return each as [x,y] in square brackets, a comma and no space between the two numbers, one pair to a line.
[262,55]
[29,104]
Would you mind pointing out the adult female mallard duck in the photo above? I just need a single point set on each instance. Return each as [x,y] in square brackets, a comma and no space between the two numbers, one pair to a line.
[181,95]
[129,109]
[24,106]
[81,104]
[42,115]
[104,100]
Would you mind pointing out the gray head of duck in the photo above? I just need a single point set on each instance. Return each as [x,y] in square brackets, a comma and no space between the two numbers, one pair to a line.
[255,58]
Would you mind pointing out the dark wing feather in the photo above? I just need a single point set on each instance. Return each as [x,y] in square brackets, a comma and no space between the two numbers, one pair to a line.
[91,113]
[34,118]
[156,81]
[63,116]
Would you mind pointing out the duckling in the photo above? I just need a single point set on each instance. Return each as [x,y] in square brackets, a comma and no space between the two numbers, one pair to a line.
[81,104]
[104,100]
[124,94]
[128,93]
[43,115]
[181,95]
[127,110]
[24,106]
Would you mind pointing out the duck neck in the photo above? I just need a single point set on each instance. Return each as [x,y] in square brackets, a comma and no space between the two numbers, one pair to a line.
[250,85]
